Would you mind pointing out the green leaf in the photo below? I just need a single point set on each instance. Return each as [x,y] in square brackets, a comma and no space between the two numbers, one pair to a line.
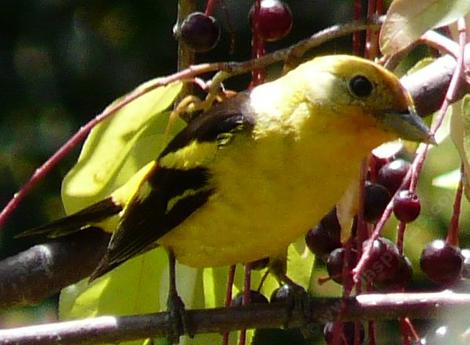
[407,20]
[120,145]
[460,134]
[449,180]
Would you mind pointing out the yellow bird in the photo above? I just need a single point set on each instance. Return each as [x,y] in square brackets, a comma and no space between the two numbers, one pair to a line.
[252,174]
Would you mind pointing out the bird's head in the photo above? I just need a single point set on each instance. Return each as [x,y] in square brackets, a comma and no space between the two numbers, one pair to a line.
[362,95]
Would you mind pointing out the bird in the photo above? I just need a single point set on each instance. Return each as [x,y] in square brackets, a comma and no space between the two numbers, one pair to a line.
[253,173]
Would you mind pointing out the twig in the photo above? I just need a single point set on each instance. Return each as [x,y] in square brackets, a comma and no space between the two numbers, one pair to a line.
[107,329]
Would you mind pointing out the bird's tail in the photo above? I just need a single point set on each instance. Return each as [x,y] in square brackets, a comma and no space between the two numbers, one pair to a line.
[82,219]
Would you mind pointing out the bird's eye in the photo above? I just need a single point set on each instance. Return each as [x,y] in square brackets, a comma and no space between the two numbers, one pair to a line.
[361,86]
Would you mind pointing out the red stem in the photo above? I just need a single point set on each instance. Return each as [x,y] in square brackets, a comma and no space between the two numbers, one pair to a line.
[371,333]
[356,37]
[246,299]
[357,333]
[405,333]
[371,35]
[210,6]
[401,236]
[453,231]
[257,47]
[228,297]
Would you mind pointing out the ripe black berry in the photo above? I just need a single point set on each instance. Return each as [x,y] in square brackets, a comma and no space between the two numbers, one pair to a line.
[384,262]
[391,175]
[282,294]
[274,20]
[335,263]
[200,32]
[376,198]
[400,279]
[347,337]
[256,297]
[441,262]
[406,206]
[325,237]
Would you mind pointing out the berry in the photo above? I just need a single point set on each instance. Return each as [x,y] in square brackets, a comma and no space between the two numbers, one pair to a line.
[400,279]
[406,206]
[442,262]
[335,263]
[282,294]
[200,32]
[256,297]
[376,198]
[384,262]
[466,263]
[391,175]
[274,20]
[325,237]
[259,264]
[348,333]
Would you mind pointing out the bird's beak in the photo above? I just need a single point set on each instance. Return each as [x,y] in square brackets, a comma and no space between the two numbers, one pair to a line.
[407,125]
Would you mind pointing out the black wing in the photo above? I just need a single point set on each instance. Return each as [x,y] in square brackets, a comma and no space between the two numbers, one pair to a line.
[170,195]
[77,221]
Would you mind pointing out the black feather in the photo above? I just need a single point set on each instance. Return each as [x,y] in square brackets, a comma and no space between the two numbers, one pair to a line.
[77,221]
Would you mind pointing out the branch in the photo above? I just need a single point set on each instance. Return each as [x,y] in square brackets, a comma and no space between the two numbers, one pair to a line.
[68,259]
[43,270]
[108,329]
[429,84]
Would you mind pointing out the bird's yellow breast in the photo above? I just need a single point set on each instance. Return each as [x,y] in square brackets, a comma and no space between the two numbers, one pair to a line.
[270,190]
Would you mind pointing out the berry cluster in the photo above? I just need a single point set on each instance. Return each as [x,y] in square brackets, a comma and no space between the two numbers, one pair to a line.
[387,268]
[201,31]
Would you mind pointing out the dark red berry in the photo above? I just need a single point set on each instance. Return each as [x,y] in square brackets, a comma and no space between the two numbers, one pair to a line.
[335,263]
[406,206]
[441,262]
[259,264]
[325,237]
[384,262]
[255,297]
[391,175]
[376,198]
[200,32]
[400,279]
[466,263]
[283,294]
[347,338]
[274,20]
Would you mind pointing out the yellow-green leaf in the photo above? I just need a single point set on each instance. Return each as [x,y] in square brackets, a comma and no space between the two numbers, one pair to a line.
[448,180]
[120,145]
[407,20]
